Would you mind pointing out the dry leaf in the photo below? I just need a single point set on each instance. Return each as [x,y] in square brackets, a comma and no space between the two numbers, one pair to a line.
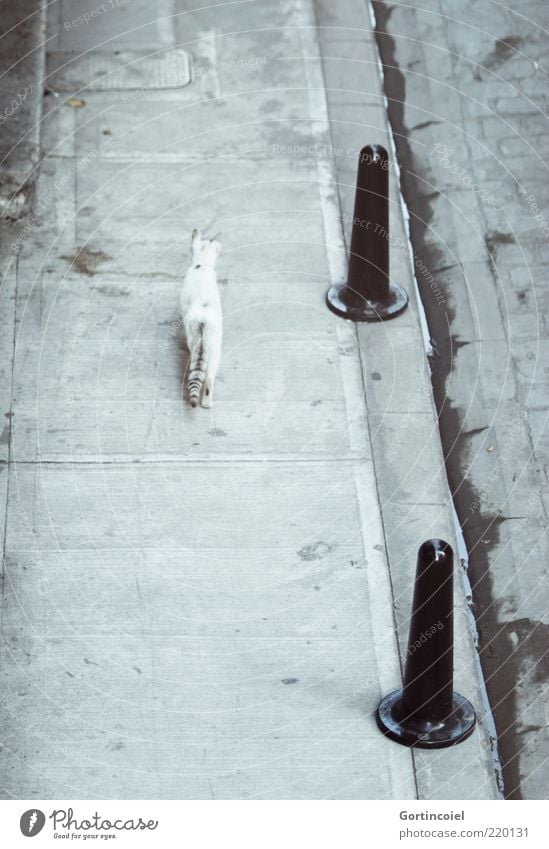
[75,102]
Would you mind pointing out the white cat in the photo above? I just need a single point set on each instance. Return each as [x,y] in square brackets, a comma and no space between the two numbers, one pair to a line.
[202,318]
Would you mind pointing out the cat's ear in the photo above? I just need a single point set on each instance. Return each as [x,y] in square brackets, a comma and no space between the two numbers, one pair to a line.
[196,234]
[217,241]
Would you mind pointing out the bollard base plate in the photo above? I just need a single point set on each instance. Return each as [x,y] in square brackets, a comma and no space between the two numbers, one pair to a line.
[396,723]
[337,299]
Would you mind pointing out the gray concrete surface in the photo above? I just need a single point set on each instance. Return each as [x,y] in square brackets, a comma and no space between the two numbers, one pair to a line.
[23,51]
[203,604]
[467,89]
[410,473]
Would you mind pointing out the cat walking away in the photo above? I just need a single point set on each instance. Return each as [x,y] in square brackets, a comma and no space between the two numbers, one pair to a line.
[202,318]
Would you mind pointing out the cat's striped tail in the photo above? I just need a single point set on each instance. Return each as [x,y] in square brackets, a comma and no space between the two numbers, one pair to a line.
[197,369]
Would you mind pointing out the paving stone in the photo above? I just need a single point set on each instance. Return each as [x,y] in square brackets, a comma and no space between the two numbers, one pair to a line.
[125,338]
[279,126]
[178,572]
[120,24]
[474,319]
[408,446]
[395,381]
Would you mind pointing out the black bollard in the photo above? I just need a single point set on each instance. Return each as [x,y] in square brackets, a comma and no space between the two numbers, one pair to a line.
[427,713]
[368,294]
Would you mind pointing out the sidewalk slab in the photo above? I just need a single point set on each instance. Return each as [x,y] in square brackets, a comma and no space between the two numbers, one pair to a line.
[114,339]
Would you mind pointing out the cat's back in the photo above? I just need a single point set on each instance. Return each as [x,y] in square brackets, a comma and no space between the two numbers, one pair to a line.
[199,290]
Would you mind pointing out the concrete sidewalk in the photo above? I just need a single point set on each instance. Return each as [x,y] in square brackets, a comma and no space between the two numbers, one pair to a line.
[202,604]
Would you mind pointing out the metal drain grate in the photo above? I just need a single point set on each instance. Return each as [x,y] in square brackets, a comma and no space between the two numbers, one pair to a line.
[121,71]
